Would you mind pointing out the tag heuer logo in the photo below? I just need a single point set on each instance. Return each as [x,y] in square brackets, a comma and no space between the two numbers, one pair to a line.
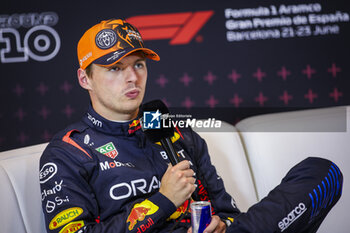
[108,150]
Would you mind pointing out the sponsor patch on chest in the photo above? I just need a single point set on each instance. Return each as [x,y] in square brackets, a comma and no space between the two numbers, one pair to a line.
[108,150]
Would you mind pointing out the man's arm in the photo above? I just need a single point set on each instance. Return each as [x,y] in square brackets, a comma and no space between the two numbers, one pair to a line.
[69,202]
[178,183]
[222,203]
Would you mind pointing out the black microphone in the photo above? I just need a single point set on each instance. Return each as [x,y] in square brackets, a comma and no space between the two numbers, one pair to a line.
[160,134]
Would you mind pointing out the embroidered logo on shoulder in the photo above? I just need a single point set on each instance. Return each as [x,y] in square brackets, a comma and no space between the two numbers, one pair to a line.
[108,150]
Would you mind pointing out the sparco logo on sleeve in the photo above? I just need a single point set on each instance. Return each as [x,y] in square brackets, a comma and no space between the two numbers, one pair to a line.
[292,216]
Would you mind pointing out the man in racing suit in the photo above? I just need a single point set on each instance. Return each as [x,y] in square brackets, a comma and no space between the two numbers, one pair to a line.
[109,172]
[103,175]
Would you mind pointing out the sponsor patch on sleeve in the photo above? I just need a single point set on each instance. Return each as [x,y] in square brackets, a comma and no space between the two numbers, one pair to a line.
[65,217]
[140,211]
[72,227]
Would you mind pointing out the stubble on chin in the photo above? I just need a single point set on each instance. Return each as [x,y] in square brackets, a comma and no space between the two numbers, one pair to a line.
[131,109]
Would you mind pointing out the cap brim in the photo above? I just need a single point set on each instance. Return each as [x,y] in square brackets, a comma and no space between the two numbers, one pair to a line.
[114,57]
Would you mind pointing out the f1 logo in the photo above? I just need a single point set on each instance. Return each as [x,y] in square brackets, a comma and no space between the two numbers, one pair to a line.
[179,27]
[151,120]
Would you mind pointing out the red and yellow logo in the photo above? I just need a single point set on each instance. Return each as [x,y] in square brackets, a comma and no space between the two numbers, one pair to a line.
[134,126]
[134,123]
[72,227]
[180,211]
[140,211]
[65,217]
[173,138]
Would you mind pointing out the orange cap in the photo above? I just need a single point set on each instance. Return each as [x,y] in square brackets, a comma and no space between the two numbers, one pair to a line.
[108,42]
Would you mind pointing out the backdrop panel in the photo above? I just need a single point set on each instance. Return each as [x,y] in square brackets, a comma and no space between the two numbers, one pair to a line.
[246,56]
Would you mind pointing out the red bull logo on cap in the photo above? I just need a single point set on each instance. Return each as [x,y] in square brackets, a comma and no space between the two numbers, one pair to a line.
[140,211]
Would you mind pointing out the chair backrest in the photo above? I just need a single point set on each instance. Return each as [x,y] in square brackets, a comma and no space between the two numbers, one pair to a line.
[20,204]
[228,156]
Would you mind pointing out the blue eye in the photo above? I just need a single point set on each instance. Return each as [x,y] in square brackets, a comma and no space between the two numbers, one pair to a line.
[140,65]
[114,69]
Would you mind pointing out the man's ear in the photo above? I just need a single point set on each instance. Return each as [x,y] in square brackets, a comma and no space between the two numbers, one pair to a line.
[83,79]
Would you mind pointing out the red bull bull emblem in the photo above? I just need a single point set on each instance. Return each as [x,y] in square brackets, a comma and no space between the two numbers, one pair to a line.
[134,123]
[134,126]
[180,211]
[140,211]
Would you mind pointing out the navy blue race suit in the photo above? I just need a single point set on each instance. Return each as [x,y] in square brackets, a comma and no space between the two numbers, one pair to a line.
[104,176]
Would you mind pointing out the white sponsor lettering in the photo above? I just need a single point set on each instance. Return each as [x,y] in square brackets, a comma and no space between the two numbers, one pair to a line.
[87,139]
[292,216]
[108,165]
[94,121]
[50,206]
[134,35]
[115,55]
[57,188]
[85,58]
[60,201]
[139,186]
[118,187]
[233,203]
[47,172]
[164,155]
[181,152]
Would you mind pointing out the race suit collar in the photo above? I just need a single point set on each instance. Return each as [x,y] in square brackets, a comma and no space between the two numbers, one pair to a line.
[96,121]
